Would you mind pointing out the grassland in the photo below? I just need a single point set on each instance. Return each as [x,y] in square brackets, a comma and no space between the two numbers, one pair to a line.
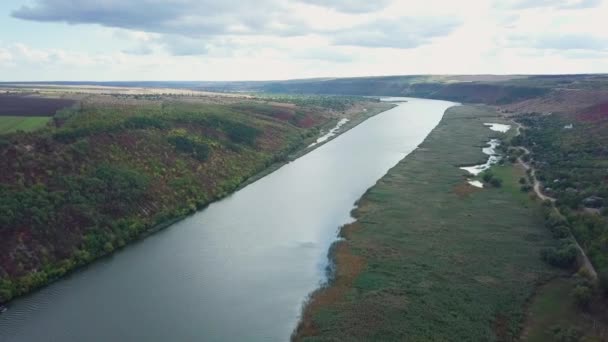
[10,124]
[555,315]
[431,258]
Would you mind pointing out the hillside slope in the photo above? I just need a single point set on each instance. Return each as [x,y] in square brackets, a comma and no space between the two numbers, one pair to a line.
[108,171]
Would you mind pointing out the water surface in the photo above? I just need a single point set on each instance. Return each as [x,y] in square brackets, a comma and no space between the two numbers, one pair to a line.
[239,270]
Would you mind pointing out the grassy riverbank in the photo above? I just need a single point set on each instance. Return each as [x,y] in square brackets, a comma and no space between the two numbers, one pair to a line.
[431,258]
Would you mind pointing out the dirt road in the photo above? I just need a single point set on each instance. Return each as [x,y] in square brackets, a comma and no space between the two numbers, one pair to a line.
[584,262]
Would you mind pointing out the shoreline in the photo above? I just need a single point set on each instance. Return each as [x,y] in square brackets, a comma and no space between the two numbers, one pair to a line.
[342,295]
[337,252]
[300,151]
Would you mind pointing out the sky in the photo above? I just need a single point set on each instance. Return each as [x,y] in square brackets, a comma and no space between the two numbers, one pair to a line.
[224,40]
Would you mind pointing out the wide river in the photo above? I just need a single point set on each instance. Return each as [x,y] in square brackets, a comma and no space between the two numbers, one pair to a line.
[239,270]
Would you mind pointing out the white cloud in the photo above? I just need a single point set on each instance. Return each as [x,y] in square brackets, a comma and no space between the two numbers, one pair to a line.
[404,32]
[276,39]
[563,4]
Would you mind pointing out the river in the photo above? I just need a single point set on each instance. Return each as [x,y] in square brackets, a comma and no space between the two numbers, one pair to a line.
[239,270]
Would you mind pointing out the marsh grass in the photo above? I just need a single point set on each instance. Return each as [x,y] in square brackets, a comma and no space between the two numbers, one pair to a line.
[441,263]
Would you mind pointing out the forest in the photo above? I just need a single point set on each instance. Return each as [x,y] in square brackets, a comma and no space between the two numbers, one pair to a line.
[571,157]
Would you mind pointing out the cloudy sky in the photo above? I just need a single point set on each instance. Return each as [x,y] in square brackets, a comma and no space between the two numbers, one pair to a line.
[282,39]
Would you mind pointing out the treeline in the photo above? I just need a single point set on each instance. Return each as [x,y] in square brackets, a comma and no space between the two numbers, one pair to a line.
[236,131]
[570,158]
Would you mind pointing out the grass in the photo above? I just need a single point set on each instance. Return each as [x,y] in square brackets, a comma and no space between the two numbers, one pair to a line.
[554,306]
[10,124]
[431,258]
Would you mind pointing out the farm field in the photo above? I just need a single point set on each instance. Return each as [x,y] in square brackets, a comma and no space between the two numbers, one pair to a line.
[459,264]
[31,105]
[10,124]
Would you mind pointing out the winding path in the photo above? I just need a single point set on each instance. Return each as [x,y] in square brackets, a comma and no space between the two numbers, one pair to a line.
[535,183]
[585,262]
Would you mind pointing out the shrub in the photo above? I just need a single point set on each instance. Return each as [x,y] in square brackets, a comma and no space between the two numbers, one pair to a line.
[562,257]
[198,149]
[554,219]
[603,278]
[487,176]
[582,295]
[522,180]
[241,134]
[566,334]
[526,188]
[139,122]
[560,231]
[497,183]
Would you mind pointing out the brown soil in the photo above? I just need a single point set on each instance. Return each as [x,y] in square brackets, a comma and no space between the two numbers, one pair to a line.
[594,113]
[31,105]
[463,190]
[560,101]
[501,327]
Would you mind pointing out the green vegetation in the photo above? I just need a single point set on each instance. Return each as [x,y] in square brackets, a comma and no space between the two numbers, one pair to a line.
[488,177]
[565,309]
[333,102]
[415,86]
[111,170]
[571,163]
[10,124]
[458,264]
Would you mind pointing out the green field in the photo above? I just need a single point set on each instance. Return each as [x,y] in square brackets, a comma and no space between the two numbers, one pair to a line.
[553,307]
[10,124]
[431,258]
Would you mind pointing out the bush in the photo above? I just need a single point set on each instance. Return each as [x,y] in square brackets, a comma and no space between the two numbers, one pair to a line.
[487,176]
[554,219]
[497,183]
[566,334]
[140,122]
[522,180]
[603,278]
[242,134]
[562,257]
[199,150]
[560,231]
[582,295]
[526,188]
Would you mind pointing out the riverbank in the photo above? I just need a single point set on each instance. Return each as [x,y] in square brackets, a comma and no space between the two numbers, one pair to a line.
[249,165]
[431,257]
[306,146]
[214,279]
